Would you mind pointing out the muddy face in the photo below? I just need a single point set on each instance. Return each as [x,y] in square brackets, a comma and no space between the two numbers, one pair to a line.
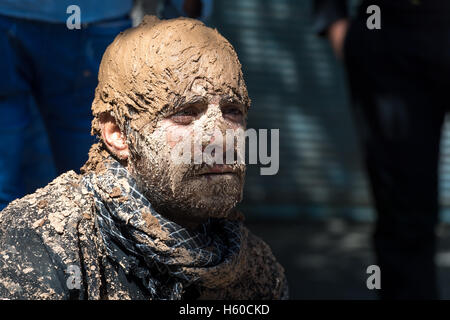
[191,192]
[170,82]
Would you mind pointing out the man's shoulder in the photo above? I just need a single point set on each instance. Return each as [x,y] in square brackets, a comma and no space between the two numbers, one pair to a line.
[258,247]
[53,204]
[265,269]
[39,239]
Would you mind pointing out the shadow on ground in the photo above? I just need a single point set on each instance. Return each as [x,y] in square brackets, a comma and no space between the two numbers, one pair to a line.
[328,259]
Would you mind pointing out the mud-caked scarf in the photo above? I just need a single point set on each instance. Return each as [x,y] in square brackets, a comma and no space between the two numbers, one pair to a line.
[166,257]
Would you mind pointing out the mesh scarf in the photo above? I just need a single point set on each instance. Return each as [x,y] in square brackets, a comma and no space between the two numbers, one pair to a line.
[163,255]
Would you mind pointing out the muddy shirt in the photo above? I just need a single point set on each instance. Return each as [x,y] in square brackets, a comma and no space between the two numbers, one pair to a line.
[51,248]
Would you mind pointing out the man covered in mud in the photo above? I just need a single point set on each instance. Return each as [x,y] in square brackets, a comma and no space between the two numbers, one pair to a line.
[137,224]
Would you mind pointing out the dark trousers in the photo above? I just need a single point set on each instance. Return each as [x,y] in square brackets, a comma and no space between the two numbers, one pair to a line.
[400,84]
[49,66]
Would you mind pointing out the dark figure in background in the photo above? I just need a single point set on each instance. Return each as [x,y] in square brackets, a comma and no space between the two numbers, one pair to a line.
[399,77]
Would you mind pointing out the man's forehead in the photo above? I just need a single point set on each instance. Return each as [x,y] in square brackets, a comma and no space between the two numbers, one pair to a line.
[202,90]
[211,99]
[202,93]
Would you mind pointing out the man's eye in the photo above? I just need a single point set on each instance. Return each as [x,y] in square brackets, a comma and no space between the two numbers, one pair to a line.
[184,116]
[233,113]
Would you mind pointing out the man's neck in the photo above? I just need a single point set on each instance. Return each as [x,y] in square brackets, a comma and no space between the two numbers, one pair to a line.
[186,221]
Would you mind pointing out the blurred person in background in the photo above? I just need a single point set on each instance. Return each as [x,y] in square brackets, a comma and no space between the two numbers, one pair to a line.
[399,76]
[47,65]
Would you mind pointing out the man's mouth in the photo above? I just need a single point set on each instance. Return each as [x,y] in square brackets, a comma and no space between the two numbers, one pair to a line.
[216,169]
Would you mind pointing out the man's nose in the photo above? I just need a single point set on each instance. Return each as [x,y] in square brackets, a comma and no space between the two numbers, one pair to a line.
[213,121]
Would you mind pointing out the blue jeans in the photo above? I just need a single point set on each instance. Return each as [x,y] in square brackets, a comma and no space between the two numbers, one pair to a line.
[52,69]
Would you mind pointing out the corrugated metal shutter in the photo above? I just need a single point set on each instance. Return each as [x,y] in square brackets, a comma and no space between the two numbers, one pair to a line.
[297,85]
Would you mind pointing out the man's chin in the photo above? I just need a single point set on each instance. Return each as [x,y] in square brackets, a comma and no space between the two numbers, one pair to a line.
[196,211]
[217,207]
[216,193]
[212,195]
[204,206]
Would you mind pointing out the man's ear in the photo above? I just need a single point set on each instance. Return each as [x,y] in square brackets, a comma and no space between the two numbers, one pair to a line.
[114,140]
